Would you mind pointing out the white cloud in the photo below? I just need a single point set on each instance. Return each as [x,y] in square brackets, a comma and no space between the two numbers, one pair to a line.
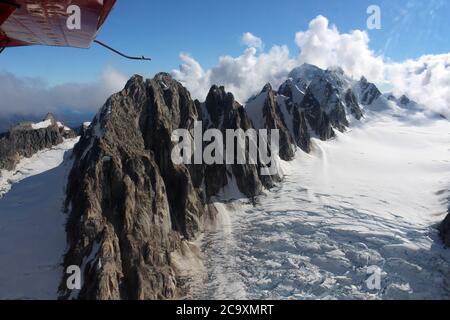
[193,76]
[33,96]
[113,80]
[426,80]
[251,41]
[243,75]
[324,46]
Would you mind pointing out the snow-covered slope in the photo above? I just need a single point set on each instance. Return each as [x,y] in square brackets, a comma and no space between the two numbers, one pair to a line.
[370,197]
[42,161]
[32,225]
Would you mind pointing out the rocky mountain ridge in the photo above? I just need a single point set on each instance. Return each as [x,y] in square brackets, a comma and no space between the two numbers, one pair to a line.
[130,207]
[27,138]
[313,103]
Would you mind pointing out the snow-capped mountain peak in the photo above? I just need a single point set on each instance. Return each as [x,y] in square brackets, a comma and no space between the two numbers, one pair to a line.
[304,74]
[311,102]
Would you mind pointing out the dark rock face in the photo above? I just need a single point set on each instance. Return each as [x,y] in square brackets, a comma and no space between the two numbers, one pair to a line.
[24,140]
[275,121]
[273,111]
[404,100]
[287,89]
[326,90]
[293,99]
[369,92]
[119,191]
[317,119]
[82,129]
[444,230]
[130,205]
[221,111]
[301,132]
[352,104]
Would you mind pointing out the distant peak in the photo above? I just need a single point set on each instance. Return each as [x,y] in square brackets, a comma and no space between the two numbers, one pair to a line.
[404,100]
[305,73]
[217,90]
[310,66]
[218,94]
[51,117]
[164,76]
[267,88]
[134,80]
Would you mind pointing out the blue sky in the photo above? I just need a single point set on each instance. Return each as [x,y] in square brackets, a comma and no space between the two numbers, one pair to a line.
[208,29]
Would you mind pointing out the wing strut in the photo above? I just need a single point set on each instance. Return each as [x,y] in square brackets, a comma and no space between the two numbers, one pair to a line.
[3,45]
[120,53]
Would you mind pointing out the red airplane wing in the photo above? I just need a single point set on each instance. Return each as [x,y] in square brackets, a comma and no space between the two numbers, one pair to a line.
[44,22]
[6,9]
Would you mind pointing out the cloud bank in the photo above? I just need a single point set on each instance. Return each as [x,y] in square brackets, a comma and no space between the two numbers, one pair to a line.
[426,80]
[324,46]
[243,75]
[33,96]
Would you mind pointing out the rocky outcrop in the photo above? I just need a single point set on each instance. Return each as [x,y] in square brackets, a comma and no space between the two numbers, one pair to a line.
[82,129]
[317,119]
[352,105]
[130,207]
[121,228]
[25,139]
[221,111]
[404,102]
[368,92]
[327,90]
[277,110]
[301,132]
[267,107]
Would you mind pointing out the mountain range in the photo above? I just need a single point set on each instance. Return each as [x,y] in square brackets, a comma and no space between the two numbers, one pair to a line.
[131,211]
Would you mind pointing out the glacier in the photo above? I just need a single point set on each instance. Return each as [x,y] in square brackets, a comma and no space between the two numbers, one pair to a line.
[371,197]
[32,224]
